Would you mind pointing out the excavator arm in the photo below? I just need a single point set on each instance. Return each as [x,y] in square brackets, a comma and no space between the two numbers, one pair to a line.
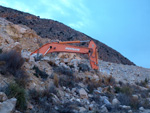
[64,47]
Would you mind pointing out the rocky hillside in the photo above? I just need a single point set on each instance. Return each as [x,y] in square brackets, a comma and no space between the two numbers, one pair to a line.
[64,83]
[51,29]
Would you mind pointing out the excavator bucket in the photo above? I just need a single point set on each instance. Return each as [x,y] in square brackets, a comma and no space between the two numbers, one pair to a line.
[93,55]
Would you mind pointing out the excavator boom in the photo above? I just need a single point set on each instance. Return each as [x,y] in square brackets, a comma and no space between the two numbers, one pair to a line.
[64,47]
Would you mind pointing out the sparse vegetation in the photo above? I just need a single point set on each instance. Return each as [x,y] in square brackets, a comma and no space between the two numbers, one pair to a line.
[143,83]
[63,70]
[128,100]
[39,73]
[1,50]
[93,85]
[67,81]
[102,82]
[83,67]
[126,89]
[43,99]
[66,77]
[109,80]
[14,90]
[56,80]
[13,62]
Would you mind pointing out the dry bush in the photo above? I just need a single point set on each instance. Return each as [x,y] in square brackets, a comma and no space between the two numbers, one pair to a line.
[63,70]
[109,80]
[42,100]
[129,101]
[67,81]
[39,73]
[13,62]
[21,78]
[125,89]
[66,77]
[143,83]
[92,85]
[56,80]
[102,82]
[83,67]
[69,107]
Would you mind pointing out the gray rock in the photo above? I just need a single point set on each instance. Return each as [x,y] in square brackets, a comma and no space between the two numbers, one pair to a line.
[145,111]
[3,97]
[45,58]
[135,97]
[97,92]
[125,107]
[25,54]
[105,100]
[91,106]
[17,111]
[55,98]
[103,109]
[83,93]
[8,106]
[141,109]
[78,100]
[130,111]
[81,109]
[115,101]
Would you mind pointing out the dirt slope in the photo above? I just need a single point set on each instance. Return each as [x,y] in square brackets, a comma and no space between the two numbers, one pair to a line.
[47,28]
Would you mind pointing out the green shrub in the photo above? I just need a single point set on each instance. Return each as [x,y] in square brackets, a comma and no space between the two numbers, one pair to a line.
[124,89]
[1,50]
[39,73]
[117,89]
[14,90]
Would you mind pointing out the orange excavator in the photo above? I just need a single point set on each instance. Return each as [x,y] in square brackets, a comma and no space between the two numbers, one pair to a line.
[91,50]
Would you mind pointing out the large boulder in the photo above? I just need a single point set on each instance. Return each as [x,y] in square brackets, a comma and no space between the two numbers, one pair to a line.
[8,106]
[83,93]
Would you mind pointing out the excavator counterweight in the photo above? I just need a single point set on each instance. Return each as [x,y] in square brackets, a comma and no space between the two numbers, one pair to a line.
[91,50]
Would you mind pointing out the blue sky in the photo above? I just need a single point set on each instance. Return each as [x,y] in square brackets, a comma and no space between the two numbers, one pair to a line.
[123,25]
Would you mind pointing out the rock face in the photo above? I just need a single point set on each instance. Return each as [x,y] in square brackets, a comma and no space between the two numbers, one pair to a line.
[55,30]
[18,37]
[8,106]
